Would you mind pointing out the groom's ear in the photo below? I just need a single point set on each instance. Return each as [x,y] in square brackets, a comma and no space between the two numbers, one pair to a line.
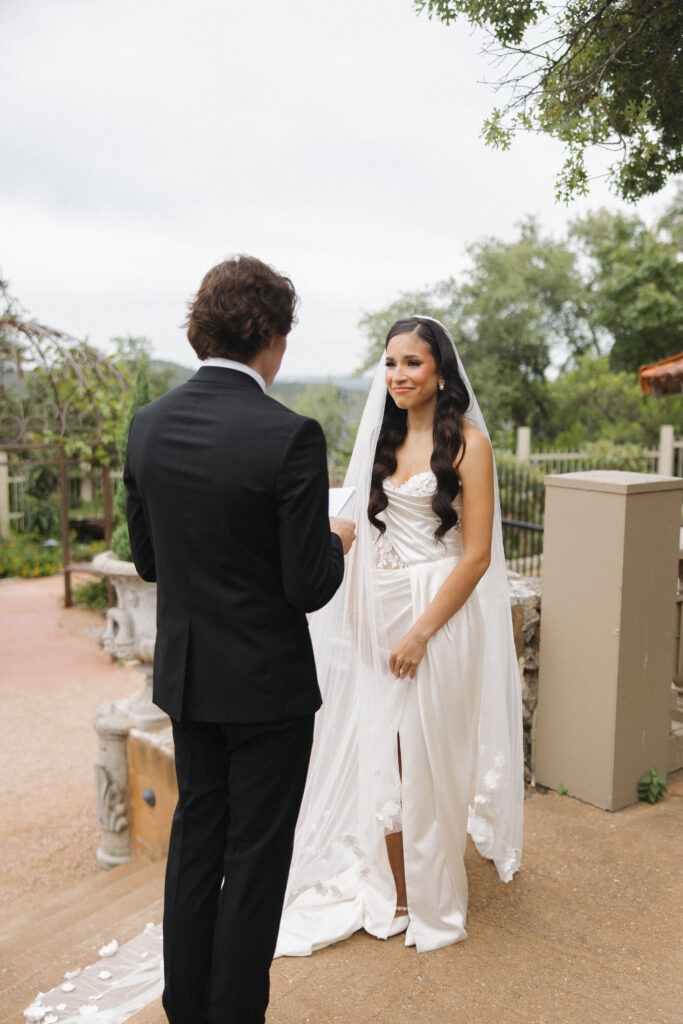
[277,341]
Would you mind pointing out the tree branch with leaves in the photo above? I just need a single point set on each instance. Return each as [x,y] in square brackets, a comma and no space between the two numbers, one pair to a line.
[604,73]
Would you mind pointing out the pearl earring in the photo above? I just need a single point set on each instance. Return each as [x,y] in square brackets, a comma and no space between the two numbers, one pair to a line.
[442,384]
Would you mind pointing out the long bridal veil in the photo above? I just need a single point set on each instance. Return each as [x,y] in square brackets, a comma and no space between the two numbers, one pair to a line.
[352,798]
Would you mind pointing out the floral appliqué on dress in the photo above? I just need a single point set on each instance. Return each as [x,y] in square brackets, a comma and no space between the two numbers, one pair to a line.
[420,484]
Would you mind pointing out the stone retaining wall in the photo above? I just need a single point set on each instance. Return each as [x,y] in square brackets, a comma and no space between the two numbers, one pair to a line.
[525,599]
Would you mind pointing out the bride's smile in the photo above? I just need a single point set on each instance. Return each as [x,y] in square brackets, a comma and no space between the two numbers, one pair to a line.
[410,371]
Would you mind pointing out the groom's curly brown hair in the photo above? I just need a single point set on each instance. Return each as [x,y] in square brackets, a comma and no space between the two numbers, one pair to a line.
[240,305]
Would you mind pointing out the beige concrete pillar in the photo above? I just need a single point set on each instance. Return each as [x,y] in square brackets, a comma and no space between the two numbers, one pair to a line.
[4,496]
[523,444]
[665,459]
[610,562]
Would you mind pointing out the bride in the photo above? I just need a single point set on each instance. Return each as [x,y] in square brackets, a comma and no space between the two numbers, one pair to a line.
[419,739]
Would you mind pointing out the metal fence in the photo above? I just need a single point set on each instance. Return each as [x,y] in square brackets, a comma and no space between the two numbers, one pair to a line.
[678,458]
[522,502]
[576,461]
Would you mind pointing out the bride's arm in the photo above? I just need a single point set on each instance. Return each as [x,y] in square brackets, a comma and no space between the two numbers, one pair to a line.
[476,476]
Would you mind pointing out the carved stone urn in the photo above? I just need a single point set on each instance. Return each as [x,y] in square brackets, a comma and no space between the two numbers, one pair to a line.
[131,626]
[130,634]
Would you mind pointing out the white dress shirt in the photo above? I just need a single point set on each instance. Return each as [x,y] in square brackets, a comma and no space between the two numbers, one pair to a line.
[233,364]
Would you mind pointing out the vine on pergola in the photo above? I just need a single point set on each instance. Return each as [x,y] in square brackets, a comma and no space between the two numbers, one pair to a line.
[56,392]
[61,401]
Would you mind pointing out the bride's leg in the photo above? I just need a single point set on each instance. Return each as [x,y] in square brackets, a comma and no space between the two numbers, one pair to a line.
[394,843]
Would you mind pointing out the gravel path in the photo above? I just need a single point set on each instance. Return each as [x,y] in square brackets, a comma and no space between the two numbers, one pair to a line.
[53,677]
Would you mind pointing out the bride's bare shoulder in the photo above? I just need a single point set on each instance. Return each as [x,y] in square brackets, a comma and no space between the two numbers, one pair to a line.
[477,446]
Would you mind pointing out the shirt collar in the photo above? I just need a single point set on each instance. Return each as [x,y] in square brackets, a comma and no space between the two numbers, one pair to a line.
[233,364]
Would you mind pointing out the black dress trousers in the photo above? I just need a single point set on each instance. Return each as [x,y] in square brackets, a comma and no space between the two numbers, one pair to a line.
[240,789]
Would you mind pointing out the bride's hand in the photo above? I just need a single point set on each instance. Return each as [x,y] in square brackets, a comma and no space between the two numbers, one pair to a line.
[407,655]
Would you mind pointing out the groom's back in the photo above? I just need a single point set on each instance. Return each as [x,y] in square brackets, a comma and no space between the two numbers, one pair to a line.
[223,475]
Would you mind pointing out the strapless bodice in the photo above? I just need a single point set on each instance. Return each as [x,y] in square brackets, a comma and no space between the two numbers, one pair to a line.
[411,521]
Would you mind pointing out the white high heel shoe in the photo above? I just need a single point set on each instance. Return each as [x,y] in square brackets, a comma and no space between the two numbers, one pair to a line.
[398,925]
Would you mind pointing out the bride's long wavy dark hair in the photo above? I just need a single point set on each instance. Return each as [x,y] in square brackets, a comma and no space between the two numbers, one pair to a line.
[449,441]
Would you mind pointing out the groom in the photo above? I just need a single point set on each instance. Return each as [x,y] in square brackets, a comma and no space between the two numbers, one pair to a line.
[227,511]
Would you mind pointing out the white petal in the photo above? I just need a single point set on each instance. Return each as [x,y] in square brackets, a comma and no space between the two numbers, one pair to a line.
[110,949]
[35,1012]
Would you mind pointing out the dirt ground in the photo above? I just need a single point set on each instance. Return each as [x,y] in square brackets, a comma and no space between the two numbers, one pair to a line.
[587,933]
[53,678]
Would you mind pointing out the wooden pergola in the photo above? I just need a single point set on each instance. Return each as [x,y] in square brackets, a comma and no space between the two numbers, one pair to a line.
[69,418]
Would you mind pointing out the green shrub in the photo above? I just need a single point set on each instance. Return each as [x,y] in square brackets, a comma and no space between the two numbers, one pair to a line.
[120,543]
[93,595]
[27,556]
[651,786]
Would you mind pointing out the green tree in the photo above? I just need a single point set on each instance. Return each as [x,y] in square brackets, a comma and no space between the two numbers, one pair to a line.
[437,302]
[519,307]
[635,283]
[130,351]
[522,310]
[142,395]
[587,72]
[56,391]
[592,403]
[338,414]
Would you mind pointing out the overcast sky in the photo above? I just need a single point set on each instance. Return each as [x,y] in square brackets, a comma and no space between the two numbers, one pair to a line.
[145,141]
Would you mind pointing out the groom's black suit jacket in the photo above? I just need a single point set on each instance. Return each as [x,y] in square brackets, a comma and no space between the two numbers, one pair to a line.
[227,511]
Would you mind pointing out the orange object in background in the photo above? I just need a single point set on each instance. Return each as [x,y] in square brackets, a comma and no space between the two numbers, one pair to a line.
[662,378]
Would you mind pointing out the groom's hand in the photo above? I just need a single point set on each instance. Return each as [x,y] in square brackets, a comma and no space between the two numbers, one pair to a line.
[345,530]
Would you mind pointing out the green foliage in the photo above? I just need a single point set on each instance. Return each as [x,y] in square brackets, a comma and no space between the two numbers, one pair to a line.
[436,302]
[338,413]
[591,403]
[562,790]
[93,595]
[521,303]
[26,556]
[325,404]
[41,506]
[42,515]
[527,306]
[120,543]
[132,351]
[635,283]
[587,72]
[141,395]
[651,786]
[56,391]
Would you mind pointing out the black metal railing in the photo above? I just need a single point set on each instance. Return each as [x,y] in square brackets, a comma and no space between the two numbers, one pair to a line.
[522,502]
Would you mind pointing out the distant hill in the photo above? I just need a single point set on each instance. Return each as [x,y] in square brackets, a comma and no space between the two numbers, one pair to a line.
[286,389]
[178,373]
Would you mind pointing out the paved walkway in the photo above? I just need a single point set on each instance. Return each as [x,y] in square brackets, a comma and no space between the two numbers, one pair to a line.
[589,932]
[53,678]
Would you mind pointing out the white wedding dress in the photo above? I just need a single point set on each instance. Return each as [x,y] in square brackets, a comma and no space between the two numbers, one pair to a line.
[459,724]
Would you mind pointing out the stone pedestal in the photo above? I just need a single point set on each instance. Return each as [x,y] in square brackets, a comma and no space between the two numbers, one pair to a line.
[111,787]
[607,632]
[130,634]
